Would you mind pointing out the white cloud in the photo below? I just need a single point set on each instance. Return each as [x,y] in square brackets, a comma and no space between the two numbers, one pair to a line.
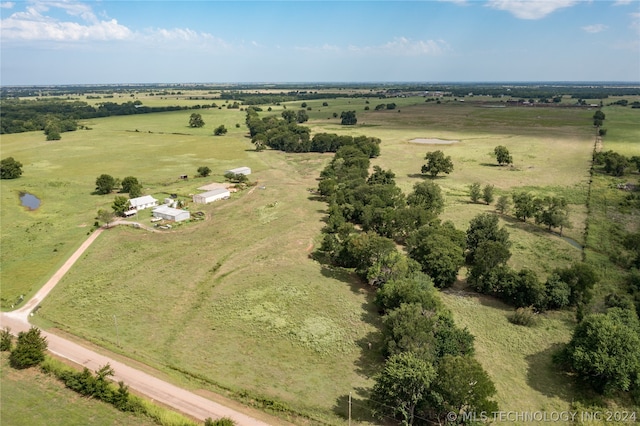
[635,21]
[399,46]
[595,28]
[530,9]
[7,5]
[622,2]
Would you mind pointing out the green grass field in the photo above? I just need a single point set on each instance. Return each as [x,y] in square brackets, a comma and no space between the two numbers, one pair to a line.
[234,302]
[32,398]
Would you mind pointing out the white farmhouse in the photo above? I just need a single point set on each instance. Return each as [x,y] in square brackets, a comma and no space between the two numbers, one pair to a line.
[211,196]
[169,213]
[239,171]
[143,202]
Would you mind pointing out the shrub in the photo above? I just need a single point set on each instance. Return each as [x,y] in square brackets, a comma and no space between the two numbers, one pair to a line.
[6,339]
[29,350]
[225,421]
[523,316]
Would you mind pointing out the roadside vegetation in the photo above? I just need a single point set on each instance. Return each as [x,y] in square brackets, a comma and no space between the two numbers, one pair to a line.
[505,203]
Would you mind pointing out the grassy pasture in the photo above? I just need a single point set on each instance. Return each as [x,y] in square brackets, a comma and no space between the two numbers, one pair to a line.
[32,398]
[234,300]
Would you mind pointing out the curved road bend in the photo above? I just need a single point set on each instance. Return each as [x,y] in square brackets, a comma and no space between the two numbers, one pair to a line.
[164,392]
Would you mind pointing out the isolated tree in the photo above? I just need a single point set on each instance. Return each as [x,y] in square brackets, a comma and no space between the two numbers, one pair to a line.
[105,184]
[220,130]
[474,192]
[106,216]
[348,118]
[401,386]
[502,155]
[437,163]
[10,168]
[29,350]
[128,182]
[204,171]
[196,120]
[615,163]
[553,213]
[120,205]
[487,194]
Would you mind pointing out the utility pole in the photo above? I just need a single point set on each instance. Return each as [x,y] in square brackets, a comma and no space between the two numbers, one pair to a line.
[349,408]
[117,334]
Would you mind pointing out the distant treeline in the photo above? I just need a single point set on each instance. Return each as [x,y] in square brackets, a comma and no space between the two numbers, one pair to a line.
[27,115]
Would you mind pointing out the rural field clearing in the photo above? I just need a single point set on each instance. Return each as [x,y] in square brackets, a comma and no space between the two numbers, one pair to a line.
[234,303]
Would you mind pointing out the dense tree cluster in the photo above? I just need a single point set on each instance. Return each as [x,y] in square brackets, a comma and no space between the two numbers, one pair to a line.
[368,216]
[616,164]
[58,115]
[287,135]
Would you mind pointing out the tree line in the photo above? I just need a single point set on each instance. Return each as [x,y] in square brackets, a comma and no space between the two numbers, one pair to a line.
[26,115]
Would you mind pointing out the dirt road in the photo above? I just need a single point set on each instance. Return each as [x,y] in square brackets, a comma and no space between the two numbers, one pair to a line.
[180,399]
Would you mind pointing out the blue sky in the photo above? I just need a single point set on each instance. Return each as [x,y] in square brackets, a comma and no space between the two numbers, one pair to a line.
[93,42]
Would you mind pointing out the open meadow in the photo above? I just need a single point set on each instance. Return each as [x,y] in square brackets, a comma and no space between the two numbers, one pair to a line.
[234,303]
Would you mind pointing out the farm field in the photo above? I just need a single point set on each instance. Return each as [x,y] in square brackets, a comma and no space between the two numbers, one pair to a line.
[234,304]
[32,398]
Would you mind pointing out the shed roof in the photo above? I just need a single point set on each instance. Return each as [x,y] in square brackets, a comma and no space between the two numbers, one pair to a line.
[213,192]
[164,209]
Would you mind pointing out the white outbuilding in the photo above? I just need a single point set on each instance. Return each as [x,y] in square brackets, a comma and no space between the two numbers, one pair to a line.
[239,171]
[169,213]
[143,202]
[211,196]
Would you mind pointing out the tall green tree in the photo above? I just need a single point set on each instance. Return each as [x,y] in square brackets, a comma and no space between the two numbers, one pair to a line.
[482,228]
[128,182]
[120,205]
[502,155]
[105,216]
[302,116]
[105,184]
[474,192]
[348,118]
[503,204]
[10,168]
[462,386]
[439,249]
[426,196]
[524,205]
[437,163]
[195,120]
[605,350]
[29,350]
[487,194]
[402,385]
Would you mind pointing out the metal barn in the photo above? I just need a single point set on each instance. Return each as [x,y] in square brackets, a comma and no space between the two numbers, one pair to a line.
[211,196]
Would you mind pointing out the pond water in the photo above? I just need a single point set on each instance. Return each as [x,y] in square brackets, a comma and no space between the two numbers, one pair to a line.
[29,201]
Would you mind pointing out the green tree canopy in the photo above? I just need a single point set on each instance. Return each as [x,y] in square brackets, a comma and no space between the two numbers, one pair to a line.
[348,118]
[502,155]
[10,168]
[204,171]
[401,386]
[120,205]
[427,196]
[128,182]
[437,163]
[105,184]
[29,350]
[220,130]
[196,120]
[605,350]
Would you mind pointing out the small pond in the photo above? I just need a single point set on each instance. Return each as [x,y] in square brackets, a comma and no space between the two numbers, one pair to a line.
[29,201]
